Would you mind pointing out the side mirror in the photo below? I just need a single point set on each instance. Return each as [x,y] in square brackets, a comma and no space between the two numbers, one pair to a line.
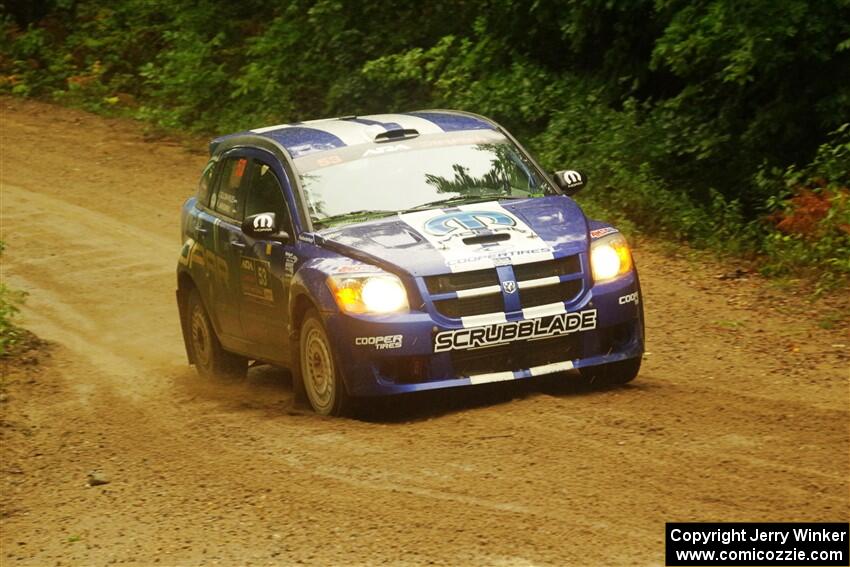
[570,181]
[264,226]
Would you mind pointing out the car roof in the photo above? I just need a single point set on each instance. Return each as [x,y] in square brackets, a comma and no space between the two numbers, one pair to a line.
[303,138]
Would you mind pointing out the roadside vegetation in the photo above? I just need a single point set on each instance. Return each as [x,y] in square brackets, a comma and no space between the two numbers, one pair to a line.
[723,124]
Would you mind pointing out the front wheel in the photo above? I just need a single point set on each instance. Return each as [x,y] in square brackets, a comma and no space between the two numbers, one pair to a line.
[210,358]
[613,373]
[318,369]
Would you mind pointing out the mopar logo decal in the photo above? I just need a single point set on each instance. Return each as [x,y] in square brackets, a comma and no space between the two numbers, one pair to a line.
[466,221]
[509,286]
[263,223]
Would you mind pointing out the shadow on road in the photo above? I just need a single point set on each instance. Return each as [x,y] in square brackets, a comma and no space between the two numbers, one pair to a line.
[269,389]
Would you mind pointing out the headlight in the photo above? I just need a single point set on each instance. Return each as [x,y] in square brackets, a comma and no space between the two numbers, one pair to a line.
[610,257]
[373,293]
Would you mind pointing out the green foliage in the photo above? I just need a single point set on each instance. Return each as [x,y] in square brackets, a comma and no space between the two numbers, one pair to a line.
[698,120]
[812,209]
[10,301]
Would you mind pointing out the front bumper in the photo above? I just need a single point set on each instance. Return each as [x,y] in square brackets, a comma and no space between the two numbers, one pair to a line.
[394,354]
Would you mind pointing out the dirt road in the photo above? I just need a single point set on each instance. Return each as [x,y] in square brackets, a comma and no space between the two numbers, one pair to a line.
[740,412]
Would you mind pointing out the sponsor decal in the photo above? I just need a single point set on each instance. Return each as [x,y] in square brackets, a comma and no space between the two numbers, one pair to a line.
[446,232]
[255,277]
[289,260]
[600,232]
[384,342]
[502,258]
[263,223]
[630,298]
[509,286]
[466,221]
[240,167]
[307,237]
[530,329]
[573,178]
[385,150]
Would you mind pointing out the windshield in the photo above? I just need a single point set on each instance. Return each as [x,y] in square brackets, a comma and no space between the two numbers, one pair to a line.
[353,184]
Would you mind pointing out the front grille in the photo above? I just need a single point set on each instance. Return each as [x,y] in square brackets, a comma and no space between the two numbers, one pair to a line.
[545,295]
[461,281]
[557,267]
[515,356]
[493,302]
[467,306]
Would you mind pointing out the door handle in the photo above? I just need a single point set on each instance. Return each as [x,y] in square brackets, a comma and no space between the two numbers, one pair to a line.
[201,230]
[237,244]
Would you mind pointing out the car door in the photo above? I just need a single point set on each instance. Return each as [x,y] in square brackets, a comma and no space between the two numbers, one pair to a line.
[228,244]
[267,264]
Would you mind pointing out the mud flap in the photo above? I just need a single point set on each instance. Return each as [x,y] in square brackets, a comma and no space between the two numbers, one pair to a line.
[182,299]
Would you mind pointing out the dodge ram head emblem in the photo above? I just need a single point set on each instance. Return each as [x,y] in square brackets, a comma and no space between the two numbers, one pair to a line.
[509,286]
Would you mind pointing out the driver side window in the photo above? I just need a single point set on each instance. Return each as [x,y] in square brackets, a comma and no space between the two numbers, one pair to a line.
[230,191]
[265,195]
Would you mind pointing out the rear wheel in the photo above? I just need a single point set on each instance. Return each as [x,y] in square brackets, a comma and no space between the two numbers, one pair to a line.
[209,356]
[613,373]
[318,370]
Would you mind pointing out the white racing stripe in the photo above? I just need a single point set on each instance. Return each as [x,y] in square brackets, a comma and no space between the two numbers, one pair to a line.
[491,377]
[351,133]
[551,368]
[539,282]
[268,128]
[477,291]
[543,310]
[483,320]
[408,122]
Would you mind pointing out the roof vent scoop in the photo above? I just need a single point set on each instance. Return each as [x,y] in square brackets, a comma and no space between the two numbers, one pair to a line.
[395,135]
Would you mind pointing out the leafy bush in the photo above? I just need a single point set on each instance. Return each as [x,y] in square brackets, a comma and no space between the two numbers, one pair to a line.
[810,223]
[704,121]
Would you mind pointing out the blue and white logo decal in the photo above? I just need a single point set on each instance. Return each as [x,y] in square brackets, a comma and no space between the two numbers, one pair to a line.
[449,233]
[468,221]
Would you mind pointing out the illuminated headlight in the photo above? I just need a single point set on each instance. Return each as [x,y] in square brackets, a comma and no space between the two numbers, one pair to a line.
[373,293]
[610,257]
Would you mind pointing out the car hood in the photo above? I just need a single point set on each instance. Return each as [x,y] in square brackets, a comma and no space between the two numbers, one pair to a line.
[467,237]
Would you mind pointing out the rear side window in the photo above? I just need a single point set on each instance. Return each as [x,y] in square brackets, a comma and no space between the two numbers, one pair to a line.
[204,184]
[230,193]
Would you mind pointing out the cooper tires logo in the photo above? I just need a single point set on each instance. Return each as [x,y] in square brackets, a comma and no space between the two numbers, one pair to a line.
[630,298]
[509,286]
[383,342]
[466,221]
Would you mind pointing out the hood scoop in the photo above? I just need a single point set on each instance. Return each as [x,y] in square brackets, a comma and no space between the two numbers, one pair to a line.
[486,239]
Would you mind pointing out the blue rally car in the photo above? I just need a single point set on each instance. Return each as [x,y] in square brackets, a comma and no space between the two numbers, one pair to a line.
[392,253]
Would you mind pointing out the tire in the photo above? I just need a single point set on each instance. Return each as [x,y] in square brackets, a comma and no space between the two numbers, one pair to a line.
[612,374]
[317,369]
[211,360]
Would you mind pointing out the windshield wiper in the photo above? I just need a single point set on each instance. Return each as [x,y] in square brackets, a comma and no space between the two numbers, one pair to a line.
[460,200]
[351,216]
